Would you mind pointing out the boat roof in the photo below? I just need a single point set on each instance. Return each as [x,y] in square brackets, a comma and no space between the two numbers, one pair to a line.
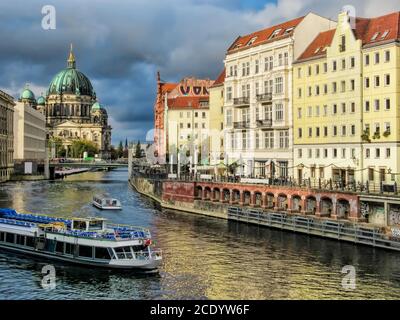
[104,196]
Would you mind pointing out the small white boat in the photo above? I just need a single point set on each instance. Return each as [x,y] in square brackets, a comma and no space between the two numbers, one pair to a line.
[106,203]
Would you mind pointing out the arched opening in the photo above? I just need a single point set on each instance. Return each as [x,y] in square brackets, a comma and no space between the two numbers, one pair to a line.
[296,204]
[217,194]
[246,198]
[226,195]
[207,193]
[236,196]
[258,199]
[282,202]
[270,201]
[199,192]
[326,206]
[343,209]
[311,205]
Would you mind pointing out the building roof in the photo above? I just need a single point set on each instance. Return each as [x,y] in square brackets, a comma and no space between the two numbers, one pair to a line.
[187,102]
[274,33]
[168,87]
[318,47]
[220,80]
[370,31]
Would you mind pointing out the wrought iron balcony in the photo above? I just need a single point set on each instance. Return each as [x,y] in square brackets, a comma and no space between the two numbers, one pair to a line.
[244,101]
[264,123]
[241,125]
[265,97]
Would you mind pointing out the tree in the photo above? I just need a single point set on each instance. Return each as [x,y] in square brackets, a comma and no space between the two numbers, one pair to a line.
[114,153]
[120,150]
[138,150]
[80,146]
[58,145]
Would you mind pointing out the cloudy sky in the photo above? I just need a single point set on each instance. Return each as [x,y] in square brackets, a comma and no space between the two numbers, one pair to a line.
[120,44]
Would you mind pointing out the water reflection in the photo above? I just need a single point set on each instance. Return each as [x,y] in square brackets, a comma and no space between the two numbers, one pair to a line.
[204,258]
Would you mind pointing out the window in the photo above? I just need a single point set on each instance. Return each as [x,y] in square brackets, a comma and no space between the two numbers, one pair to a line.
[387,104]
[317,111]
[353,130]
[286,57]
[367,106]
[353,107]
[343,64]
[343,130]
[335,153]
[317,132]
[257,141]
[367,153]
[228,93]
[317,153]
[387,56]
[388,153]
[309,111]
[269,140]
[334,109]
[325,89]
[387,79]
[317,90]
[334,131]
[309,153]
[377,81]
[268,112]
[300,153]
[299,92]
[377,105]
[280,59]
[342,46]
[367,83]
[271,63]
[251,41]
[387,127]
[309,132]
[325,67]
[279,85]
[60,247]
[343,108]
[300,133]
[377,153]
[325,153]
[244,140]
[377,58]
[367,59]
[275,33]
[343,86]
[325,110]
[257,88]
[279,112]
[352,85]
[257,67]
[343,153]
[334,87]
[325,131]
[352,62]
[299,113]
[299,73]
[371,174]
[309,71]
[375,36]
[334,65]
[10,238]
[102,253]
[317,69]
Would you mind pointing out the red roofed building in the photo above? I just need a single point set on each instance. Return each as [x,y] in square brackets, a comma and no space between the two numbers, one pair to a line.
[186,96]
[258,125]
[346,102]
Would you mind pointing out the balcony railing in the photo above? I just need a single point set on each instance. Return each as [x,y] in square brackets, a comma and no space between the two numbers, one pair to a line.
[241,101]
[265,97]
[241,125]
[264,123]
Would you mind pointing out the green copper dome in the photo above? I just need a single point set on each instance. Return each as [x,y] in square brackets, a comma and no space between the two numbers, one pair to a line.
[97,106]
[27,94]
[71,81]
[41,101]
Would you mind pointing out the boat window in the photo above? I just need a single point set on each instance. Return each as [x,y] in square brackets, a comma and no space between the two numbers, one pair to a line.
[69,248]
[2,235]
[95,225]
[102,253]
[123,252]
[86,251]
[10,238]
[79,225]
[30,242]
[20,240]
[60,247]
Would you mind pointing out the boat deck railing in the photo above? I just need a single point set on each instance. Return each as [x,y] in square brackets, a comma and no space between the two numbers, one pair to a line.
[17,223]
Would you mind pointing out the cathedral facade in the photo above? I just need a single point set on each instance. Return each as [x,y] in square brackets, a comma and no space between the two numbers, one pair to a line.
[73,112]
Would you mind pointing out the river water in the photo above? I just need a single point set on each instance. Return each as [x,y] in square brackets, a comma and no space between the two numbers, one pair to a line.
[204,258]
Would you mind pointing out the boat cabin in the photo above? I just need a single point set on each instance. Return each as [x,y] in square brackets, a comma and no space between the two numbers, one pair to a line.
[88,224]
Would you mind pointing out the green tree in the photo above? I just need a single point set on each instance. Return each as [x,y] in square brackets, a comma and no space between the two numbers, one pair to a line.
[138,150]
[56,142]
[114,153]
[120,150]
[80,146]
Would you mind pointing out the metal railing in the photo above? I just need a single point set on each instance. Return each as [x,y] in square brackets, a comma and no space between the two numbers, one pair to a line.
[241,101]
[241,125]
[265,97]
[339,230]
[267,123]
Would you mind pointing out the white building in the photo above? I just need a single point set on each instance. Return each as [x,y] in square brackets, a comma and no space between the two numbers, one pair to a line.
[258,117]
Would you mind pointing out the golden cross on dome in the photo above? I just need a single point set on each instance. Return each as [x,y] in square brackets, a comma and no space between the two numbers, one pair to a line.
[71,58]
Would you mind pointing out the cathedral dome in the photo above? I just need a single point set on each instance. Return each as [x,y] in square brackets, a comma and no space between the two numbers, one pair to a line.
[71,81]
[28,94]
[97,106]
[41,101]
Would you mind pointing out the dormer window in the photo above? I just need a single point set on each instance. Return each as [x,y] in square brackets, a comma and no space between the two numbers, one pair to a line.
[252,40]
[275,33]
[384,35]
[288,30]
[375,36]
[317,50]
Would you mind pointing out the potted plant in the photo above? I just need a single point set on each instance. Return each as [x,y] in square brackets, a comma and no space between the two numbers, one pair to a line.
[365,136]
[376,136]
[386,133]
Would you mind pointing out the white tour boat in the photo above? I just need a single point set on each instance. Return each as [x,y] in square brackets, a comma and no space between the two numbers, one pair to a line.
[85,241]
[106,203]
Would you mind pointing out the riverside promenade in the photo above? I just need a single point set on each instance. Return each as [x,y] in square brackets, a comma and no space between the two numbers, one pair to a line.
[336,214]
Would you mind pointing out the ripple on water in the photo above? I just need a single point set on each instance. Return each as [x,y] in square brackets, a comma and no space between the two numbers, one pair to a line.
[204,258]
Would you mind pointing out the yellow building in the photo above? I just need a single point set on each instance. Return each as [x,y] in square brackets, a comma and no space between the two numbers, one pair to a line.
[335,102]
[216,119]
[6,136]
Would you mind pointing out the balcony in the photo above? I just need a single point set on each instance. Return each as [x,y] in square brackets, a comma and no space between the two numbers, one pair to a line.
[266,97]
[241,102]
[241,125]
[262,124]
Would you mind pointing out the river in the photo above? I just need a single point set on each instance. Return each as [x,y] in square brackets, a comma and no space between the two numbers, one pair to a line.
[204,258]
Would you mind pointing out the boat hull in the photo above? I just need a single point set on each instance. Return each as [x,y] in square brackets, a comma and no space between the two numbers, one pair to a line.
[105,207]
[140,265]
